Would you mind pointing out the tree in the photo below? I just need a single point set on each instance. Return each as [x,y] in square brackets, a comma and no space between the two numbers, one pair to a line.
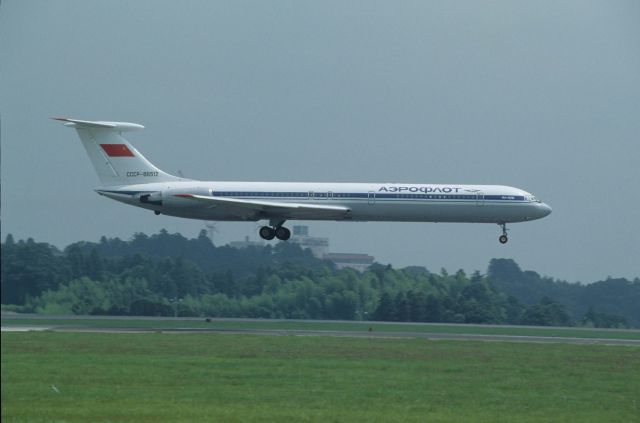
[386,310]
[341,305]
[80,296]
[402,308]
[94,265]
[150,307]
[504,269]
[144,274]
[546,313]
[603,320]
[417,306]
[28,269]
[433,309]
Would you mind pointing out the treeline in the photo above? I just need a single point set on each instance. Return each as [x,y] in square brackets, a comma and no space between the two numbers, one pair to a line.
[603,303]
[168,274]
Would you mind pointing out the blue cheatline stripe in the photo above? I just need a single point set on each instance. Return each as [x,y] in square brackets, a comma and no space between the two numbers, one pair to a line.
[365,195]
[349,195]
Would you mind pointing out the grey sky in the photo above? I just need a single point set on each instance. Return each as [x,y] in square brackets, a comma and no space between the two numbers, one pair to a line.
[544,96]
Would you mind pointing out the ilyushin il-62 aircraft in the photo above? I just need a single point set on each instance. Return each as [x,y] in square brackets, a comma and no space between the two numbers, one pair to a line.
[127,176]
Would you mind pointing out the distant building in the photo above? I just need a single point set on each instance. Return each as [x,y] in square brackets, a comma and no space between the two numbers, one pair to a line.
[319,246]
[300,230]
[359,262]
[246,243]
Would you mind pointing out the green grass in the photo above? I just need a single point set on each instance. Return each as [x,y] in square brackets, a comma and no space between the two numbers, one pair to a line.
[170,323]
[222,377]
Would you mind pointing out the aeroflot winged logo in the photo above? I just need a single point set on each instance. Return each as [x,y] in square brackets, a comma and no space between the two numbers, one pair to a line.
[116,150]
[418,189]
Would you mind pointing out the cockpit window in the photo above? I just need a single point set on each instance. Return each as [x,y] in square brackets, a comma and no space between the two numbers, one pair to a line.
[534,199]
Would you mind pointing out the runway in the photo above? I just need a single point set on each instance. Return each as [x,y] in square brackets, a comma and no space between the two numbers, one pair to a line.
[82,328]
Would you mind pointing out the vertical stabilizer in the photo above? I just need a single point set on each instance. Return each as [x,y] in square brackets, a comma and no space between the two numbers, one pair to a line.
[115,160]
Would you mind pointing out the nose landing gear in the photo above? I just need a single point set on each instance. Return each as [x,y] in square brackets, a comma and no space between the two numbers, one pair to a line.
[276,230]
[503,238]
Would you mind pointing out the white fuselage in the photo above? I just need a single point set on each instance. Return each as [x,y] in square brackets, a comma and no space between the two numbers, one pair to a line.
[365,201]
[127,176]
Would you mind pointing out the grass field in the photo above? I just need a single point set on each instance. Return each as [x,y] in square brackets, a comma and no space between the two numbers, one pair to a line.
[74,377]
[230,324]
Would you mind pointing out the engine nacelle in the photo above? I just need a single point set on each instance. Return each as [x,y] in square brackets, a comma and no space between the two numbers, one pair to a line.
[155,198]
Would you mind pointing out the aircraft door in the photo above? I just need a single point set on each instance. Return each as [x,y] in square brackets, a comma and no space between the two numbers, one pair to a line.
[479,198]
[371,198]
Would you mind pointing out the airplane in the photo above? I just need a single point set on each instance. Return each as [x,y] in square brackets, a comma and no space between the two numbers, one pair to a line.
[127,176]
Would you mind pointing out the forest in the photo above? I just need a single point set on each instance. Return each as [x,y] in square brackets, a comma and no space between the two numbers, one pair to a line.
[170,275]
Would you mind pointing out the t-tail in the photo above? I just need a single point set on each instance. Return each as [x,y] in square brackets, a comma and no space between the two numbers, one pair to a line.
[115,160]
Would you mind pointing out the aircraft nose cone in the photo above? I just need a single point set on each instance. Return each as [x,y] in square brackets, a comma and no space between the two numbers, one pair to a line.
[545,210]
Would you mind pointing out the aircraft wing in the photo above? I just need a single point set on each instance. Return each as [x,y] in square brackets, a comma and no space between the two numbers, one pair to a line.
[273,208]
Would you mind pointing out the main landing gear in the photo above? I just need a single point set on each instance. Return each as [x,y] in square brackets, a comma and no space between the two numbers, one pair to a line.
[503,238]
[276,230]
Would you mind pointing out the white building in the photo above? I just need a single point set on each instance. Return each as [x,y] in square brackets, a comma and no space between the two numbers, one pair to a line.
[360,262]
[246,243]
[319,246]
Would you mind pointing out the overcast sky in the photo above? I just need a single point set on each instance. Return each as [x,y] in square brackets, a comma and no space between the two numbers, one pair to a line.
[543,95]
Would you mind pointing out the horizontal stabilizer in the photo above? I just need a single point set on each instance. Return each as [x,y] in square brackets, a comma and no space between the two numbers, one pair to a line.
[116,126]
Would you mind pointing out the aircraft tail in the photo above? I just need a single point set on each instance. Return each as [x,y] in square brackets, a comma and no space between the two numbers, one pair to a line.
[115,160]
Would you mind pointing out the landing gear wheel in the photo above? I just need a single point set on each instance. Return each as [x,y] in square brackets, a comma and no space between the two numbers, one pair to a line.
[267,233]
[503,238]
[283,233]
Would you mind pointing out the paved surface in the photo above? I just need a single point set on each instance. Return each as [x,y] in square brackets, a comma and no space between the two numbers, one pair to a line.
[366,334]
[23,328]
